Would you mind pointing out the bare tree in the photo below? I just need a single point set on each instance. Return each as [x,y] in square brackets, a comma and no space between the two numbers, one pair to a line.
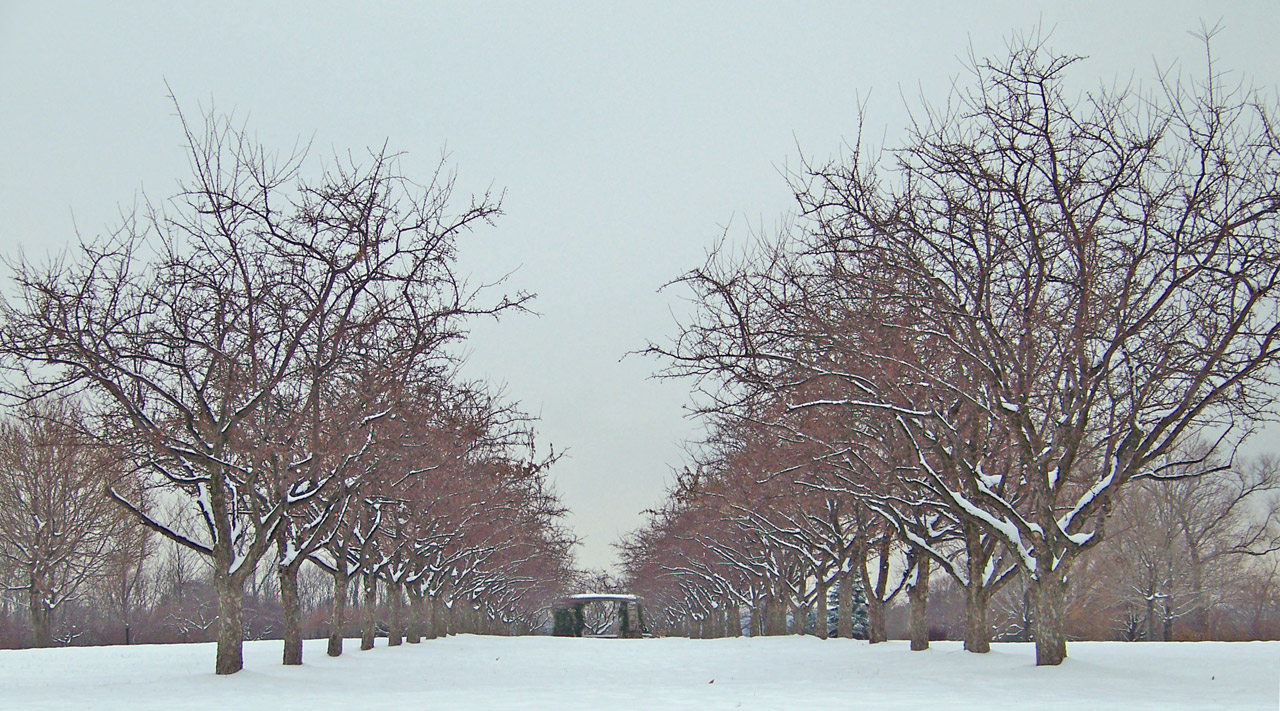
[56,523]
[1176,551]
[126,585]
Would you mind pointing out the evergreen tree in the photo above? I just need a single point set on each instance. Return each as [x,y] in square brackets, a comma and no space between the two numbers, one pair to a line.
[859,608]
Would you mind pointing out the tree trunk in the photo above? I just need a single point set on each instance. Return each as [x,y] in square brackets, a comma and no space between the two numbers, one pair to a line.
[430,626]
[338,619]
[230,594]
[820,611]
[1149,634]
[414,630]
[877,630]
[800,609]
[918,597]
[292,613]
[41,624]
[844,607]
[41,618]
[369,615]
[1199,620]
[977,634]
[395,614]
[1048,597]
[444,618]
[775,617]
[877,626]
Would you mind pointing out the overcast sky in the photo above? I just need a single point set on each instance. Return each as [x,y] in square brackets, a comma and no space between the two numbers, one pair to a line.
[628,138]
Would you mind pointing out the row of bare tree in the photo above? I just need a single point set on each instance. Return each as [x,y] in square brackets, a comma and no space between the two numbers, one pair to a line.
[762,527]
[974,345]
[268,360]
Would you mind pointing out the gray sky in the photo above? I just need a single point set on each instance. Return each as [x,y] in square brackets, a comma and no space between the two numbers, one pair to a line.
[628,138]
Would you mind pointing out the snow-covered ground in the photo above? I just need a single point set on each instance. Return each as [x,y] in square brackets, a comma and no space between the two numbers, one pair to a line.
[469,672]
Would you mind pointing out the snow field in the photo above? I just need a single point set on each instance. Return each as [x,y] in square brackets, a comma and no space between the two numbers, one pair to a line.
[476,673]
